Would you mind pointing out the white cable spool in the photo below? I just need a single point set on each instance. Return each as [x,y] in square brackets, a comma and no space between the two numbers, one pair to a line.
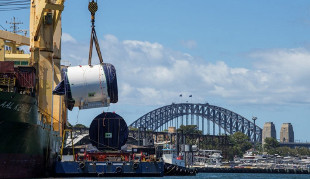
[88,86]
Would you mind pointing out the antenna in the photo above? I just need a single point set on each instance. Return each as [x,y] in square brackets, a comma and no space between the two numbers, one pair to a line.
[14,26]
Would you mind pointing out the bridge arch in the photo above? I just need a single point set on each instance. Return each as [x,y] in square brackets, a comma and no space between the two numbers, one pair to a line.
[230,122]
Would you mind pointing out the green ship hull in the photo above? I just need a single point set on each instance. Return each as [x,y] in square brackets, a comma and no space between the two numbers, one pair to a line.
[28,148]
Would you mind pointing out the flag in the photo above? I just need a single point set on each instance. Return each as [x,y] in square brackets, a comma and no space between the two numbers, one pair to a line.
[180,95]
[190,96]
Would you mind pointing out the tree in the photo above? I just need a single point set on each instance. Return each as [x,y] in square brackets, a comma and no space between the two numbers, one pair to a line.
[80,126]
[132,128]
[286,151]
[270,145]
[69,125]
[303,151]
[190,129]
[241,143]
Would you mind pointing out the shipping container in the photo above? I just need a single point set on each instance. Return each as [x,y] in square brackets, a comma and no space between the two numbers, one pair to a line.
[7,67]
[26,77]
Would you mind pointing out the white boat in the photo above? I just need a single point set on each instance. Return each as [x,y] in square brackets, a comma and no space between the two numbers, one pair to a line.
[170,156]
[208,158]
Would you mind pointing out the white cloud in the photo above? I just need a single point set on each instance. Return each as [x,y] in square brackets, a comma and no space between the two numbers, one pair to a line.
[67,38]
[149,73]
[137,48]
[125,89]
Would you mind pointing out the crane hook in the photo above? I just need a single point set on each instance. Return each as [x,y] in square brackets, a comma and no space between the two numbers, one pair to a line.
[93,7]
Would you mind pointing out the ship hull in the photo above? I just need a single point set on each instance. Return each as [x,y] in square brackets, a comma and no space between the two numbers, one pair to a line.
[21,166]
[27,146]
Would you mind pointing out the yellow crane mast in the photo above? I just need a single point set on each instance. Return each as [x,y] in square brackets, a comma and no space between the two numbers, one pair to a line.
[45,48]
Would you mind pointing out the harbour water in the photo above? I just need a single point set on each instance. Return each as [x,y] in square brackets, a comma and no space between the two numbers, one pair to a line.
[248,175]
[232,176]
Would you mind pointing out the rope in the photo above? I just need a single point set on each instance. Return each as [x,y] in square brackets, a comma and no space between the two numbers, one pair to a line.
[119,129]
[100,82]
[99,128]
[93,7]
[77,117]
[47,114]
[94,39]
[98,134]
[90,48]
[108,130]
[97,46]
[171,169]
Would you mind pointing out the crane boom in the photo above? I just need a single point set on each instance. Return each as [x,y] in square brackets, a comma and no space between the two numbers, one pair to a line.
[18,39]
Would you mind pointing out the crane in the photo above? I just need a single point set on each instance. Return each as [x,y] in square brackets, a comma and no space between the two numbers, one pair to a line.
[45,39]
[45,48]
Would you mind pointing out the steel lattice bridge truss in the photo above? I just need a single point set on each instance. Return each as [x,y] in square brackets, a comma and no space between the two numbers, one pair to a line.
[230,122]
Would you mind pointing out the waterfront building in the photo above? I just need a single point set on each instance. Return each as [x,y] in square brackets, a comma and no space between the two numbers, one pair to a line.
[287,133]
[172,130]
[269,130]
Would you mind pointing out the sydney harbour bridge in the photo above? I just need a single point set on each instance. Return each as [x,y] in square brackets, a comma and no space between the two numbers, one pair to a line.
[205,116]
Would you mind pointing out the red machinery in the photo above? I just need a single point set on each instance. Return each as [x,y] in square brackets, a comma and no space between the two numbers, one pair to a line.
[103,156]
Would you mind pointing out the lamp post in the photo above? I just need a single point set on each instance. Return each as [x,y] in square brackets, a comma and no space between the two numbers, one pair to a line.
[180,98]
[254,131]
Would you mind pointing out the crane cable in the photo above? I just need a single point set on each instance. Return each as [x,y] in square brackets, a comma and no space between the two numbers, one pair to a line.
[93,7]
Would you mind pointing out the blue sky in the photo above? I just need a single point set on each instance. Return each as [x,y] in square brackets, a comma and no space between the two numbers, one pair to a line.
[252,57]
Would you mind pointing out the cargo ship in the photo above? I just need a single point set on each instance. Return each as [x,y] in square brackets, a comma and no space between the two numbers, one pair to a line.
[28,146]
[31,118]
